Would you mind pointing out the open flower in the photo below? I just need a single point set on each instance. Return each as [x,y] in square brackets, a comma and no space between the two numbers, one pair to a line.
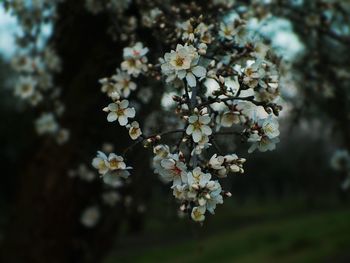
[134,130]
[120,111]
[112,168]
[262,143]
[183,63]
[100,163]
[135,60]
[198,213]
[137,51]
[270,127]
[198,127]
[25,87]
[123,84]
[197,178]
[115,162]
[172,169]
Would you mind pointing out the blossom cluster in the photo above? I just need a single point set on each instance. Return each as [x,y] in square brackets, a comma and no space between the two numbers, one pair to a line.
[113,185]
[225,85]
[36,64]
[119,87]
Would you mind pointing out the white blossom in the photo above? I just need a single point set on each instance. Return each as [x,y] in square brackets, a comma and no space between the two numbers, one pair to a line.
[198,213]
[119,111]
[135,60]
[134,130]
[25,87]
[90,217]
[123,84]
[46,124]
[198,126]
[183,63]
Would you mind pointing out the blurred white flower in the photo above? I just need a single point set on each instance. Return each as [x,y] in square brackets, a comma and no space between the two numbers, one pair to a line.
[46,124]
[25,87]
[90,217]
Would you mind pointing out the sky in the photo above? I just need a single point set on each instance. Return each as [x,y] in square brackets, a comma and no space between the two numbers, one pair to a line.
[8,27]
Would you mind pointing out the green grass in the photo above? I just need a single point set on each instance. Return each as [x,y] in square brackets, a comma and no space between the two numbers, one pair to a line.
[318,236]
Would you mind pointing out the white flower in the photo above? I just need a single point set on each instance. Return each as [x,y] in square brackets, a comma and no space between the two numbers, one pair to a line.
[90,217]
[171,169]
[215,196]
[216,162]
[270,127]
[119,111]
[85,174]
[62,136]
[234,163]
[198,127]
[134,130]
[112,168]
[198,213]
[252,74]
[233,31]
[112,178]
[198,178]
[46,124]
[260,50]
[23,63]
[134,59]
[137,51]
[115,162]
[340,160]
[145,95]
[227,31]
[123,84]
[180,191]
[25,87]
[264,134]
[183,63]
[263,143]
[52,60]
[229,118]
[100,163]
[36,98]
[109,87]
[201,145]
[161,150]
[111,198]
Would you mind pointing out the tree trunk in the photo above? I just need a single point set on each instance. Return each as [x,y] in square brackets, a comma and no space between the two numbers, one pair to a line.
[45,223]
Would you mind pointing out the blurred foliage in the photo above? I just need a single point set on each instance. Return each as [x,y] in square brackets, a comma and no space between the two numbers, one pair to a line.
[285,231]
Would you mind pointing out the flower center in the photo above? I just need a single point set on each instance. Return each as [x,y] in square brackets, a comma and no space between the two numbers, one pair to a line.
[114,163]
[176,170]
[197,125]
[120,112]
[179,61]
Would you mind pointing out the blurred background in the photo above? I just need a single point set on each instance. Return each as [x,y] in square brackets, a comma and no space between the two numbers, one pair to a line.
[291,205]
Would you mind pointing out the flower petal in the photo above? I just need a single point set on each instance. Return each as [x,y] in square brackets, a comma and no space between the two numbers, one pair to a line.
[112,116]
[191,80]
[199,71]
